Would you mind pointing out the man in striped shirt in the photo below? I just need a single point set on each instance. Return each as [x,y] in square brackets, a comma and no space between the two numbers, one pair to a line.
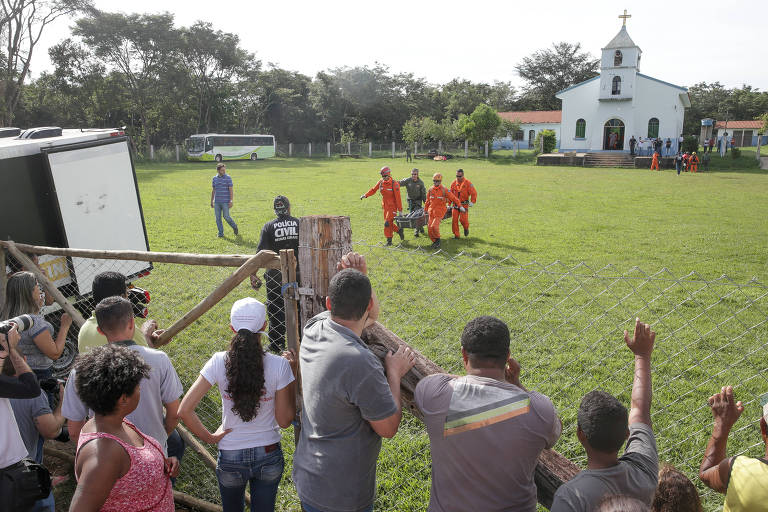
[486,430]
[222,196]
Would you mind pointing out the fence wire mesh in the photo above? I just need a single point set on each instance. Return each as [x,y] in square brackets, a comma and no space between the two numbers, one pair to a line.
[567,326]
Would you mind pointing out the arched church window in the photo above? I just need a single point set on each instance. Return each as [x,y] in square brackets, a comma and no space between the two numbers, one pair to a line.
[617,58]
[616,89]
[581,128]
[653,127]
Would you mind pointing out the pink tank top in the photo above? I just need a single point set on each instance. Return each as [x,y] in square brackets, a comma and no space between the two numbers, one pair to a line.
[145,487]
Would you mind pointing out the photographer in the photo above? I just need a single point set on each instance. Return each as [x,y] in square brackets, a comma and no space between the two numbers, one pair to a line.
[23,385]
[37,422]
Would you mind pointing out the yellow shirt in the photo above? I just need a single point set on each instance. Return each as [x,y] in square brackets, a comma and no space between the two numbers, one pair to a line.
[90,337]
[748,486]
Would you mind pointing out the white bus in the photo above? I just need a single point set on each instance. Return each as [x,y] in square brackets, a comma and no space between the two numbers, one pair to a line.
[221,146]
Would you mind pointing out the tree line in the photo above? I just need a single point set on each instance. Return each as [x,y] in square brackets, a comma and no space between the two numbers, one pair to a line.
[165,82]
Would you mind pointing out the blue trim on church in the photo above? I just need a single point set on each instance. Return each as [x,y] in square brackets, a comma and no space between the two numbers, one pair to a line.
[577,85]
[663,82]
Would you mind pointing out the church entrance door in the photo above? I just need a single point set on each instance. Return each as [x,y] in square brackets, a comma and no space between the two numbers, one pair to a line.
[613,135]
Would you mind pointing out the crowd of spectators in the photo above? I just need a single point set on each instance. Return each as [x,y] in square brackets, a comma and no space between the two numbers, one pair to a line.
[123,400]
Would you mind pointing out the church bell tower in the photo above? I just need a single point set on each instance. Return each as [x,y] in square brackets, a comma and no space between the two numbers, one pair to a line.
[619,66]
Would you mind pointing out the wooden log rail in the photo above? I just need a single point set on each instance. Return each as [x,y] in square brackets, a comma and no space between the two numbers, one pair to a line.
[552,469]
[213,260]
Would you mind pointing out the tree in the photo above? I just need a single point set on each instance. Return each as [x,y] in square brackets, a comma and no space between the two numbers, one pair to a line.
[141,48]
[25,21]
[212,59]
[509,128]
[551,70]
[415,130]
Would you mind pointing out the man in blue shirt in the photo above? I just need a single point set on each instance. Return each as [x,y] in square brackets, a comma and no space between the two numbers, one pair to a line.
[222,195]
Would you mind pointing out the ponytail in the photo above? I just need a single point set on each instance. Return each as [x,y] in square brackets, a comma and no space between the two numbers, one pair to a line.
[245,373]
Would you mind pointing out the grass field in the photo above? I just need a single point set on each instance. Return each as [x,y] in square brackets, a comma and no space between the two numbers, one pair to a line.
[563,255]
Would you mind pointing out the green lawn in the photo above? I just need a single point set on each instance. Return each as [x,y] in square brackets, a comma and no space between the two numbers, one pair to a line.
[563,255]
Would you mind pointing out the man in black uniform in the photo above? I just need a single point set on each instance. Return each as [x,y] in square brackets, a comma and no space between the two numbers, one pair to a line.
[277,234]
[417,194]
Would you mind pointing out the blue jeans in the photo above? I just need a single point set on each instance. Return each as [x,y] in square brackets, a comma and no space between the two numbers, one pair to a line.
[309,508]
[44,505]
[223,209]
[236,468]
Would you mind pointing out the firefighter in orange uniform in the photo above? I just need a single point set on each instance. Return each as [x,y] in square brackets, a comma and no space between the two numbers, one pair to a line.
[436,206]
[694,161]
[655,161]
[390,202]
[465,191]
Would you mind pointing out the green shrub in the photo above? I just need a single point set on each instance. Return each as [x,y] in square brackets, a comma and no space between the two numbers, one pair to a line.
[550,141]
[690,144]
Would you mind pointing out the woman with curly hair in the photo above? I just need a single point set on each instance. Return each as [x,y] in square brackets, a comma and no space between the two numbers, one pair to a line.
[117,467]
[258,398]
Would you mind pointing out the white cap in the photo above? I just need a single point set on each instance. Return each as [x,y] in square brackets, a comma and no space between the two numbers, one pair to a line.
[248,313]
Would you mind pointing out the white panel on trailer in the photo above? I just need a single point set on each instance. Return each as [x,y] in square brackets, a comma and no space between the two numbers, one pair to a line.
[99,205]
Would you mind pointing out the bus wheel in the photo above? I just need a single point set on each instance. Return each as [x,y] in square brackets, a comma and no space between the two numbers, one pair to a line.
[253,156]
[218,158]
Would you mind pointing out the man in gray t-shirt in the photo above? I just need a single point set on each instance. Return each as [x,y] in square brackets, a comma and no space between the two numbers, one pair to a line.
[486,430]
[349,402]
[602,430]
[160,391]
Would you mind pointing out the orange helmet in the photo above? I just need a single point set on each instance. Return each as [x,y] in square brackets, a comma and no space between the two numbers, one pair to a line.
[437,176]
[385,171]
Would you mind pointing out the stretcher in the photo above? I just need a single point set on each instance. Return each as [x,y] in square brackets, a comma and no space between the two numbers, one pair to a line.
[414,220]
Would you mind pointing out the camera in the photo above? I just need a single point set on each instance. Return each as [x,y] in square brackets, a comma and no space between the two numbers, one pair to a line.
[22,322]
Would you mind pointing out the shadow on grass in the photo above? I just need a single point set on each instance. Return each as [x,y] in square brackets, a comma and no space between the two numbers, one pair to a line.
[150,171]
[474,247]
[241,242]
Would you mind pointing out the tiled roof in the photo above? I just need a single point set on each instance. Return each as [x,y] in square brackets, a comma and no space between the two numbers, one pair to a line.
[534,116]
[622,40]
[740,125]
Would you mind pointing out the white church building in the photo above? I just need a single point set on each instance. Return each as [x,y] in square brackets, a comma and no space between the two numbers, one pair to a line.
[622,101]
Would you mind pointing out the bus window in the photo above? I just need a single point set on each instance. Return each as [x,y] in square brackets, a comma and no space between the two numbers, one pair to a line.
[209,143]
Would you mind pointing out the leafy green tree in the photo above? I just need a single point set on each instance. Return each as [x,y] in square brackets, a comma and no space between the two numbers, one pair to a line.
[141,47]
[549,141]
[484,124]
[23,24]
[415,130]
[553,69]
[508,128]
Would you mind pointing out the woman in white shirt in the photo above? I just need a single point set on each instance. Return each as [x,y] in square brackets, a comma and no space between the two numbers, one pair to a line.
[258,398]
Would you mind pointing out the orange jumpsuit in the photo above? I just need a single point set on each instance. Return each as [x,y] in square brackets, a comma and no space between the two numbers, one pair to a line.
[390,203]
[466,192]
[694,163]
[436,205]
[655,162]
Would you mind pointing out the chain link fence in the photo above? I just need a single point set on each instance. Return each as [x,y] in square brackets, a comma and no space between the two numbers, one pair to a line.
[453,149]
[567,326]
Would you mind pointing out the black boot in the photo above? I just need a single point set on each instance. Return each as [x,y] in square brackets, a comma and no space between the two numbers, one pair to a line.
[416,233]
[389,241]
[401,233]
[436,244]
[466,231]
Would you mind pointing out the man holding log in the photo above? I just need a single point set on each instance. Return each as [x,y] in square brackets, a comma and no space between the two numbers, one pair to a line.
[351,400]
[486,431]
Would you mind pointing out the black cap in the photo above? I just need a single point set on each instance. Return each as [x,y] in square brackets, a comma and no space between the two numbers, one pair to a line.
[281,205]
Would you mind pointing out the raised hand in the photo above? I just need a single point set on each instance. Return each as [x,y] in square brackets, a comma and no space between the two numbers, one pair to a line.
[290,356]
[398,363]
[353,260]
[725,409]
[642,340]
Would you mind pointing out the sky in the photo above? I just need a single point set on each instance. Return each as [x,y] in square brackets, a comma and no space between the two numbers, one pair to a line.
[683,42]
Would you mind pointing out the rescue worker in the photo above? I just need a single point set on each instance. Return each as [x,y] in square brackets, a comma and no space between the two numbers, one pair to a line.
[417,194]
[390,202]
[436,206]
[694,162]
[465,191]
[655,161]
[686,162]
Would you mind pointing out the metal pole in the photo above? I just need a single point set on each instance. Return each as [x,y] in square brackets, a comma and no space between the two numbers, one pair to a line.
[328,148]
[466,148]
[393,149]
[370,149]
[290,149]
[310,150]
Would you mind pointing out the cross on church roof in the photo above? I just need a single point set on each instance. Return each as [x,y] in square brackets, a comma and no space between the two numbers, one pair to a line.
[624,17]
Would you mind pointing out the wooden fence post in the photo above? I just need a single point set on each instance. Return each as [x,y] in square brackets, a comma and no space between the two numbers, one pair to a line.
[288,271]
[324,240]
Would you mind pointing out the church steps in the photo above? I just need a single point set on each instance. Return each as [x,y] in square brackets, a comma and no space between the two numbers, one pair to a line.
[620,160]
